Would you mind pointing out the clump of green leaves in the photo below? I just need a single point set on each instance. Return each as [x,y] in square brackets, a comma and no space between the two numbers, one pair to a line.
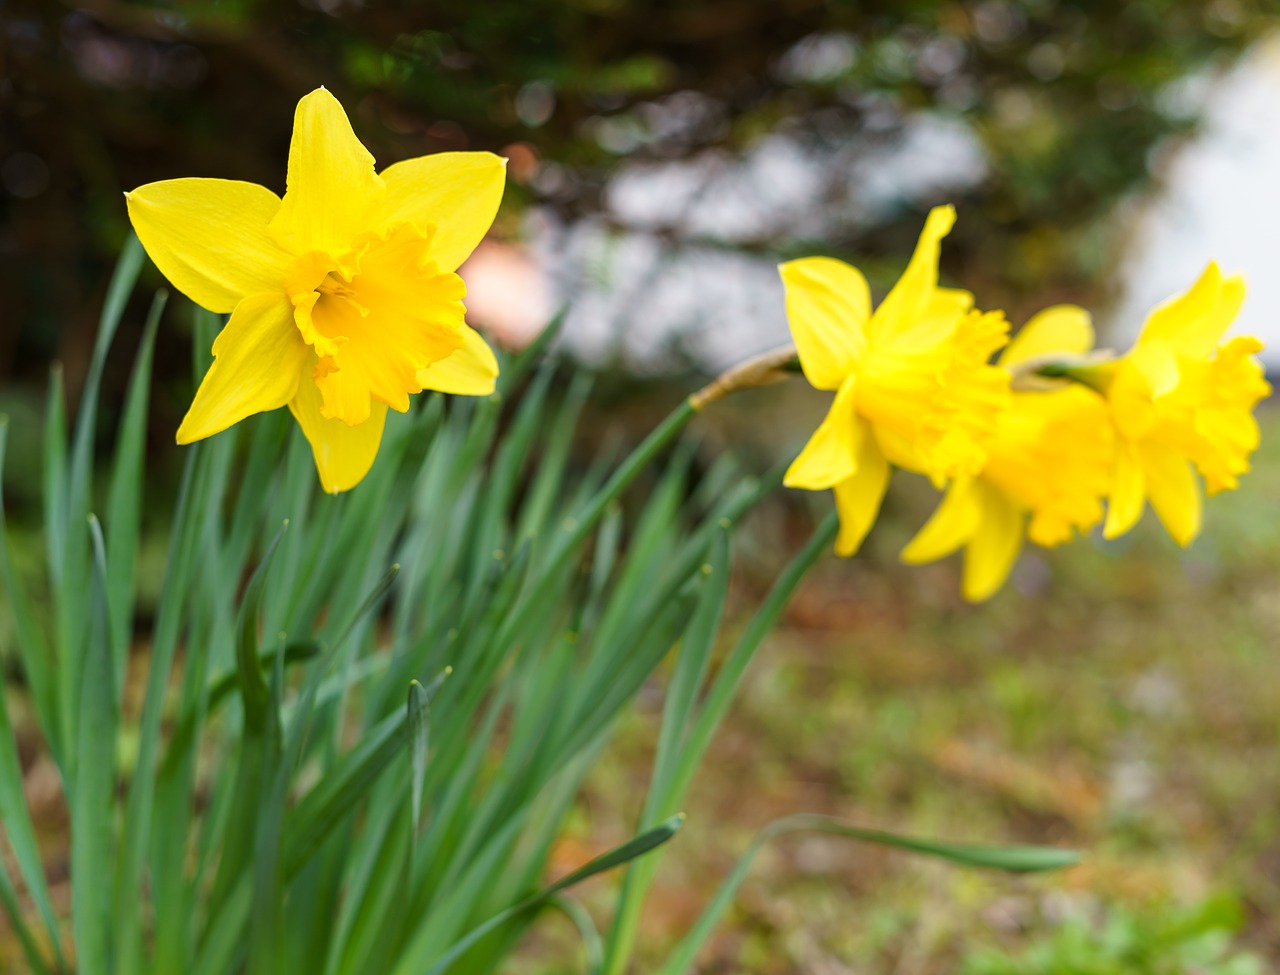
[366,717]
[1196,940]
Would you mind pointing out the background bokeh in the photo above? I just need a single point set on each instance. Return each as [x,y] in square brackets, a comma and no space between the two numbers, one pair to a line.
[1038,117]
[1122,698]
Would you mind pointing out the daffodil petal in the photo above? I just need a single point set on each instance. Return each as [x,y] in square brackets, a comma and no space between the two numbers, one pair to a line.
[209,237]
[333,192]
[993,550]
[828,305]
[1172,489]
[1059,330]
[258,359]
[858,498]
[938,320]
[905,304]
[1128,493]
[952,524]
[1192,324]
[470,371]
[343,453]
[830,456]
[456,192]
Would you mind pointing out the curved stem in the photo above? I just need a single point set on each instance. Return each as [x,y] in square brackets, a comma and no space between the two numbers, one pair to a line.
[769,367]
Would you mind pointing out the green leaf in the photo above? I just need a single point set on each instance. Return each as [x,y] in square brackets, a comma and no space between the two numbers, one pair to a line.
[592,945]
[691,666]
[253,687]
[92,813]
[17,828]
[419,745]
[33,646]
[1013,859]
[340,791]
[124,503]
[266,934]
[625,853]
[9,901]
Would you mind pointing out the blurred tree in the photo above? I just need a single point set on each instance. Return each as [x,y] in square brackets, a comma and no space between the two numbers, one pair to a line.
[99,96]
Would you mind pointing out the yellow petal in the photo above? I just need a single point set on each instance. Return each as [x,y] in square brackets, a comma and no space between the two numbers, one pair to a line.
[209,237]
[858,498]
[457,192]
[1128,493]
[343,453]
[938,320]
[257,361]
[954,522]
[994,548]
[828,304]
[830,456]
[1172,489]
[1191,324]
[470,371]
[905,305]
[333,193]
[1062,329]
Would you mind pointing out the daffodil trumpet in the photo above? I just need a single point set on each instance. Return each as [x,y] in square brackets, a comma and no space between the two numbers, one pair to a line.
[343,296]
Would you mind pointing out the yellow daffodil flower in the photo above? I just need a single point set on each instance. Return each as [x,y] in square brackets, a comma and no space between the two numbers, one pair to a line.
[1180,397]
[1047,471]
[913,381]
[343,296]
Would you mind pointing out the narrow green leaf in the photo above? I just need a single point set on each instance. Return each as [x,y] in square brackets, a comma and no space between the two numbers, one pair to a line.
[9,901]
[33,645]
[419,744]
[259,748]
[253,687]
[55,474]
[266,930]
[221,687]
[515,367]
[625,853]
[171,616]
[592,945]
[722,688]
[303,713]
[60,694]
[690,670]
[92,829]
[17,828]
[340,791]
[1013,859]
[75,577]
[124,500]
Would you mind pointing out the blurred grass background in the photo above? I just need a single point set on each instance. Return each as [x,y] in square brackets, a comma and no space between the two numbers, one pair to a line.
[1120,698]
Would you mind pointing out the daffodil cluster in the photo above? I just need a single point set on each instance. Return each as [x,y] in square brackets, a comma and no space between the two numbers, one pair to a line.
[1045,442]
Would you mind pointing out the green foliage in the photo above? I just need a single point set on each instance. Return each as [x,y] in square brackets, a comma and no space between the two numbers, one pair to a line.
[308,792]
[1163,940]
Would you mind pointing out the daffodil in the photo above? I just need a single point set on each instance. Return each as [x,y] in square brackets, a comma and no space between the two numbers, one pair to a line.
[913,381]
[344,297]
[1181,397]
[1047,471]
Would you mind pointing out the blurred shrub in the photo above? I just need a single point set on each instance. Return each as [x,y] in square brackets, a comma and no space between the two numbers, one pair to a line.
[1069,100]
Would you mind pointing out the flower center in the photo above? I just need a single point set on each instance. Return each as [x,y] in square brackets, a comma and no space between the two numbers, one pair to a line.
[375,316]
